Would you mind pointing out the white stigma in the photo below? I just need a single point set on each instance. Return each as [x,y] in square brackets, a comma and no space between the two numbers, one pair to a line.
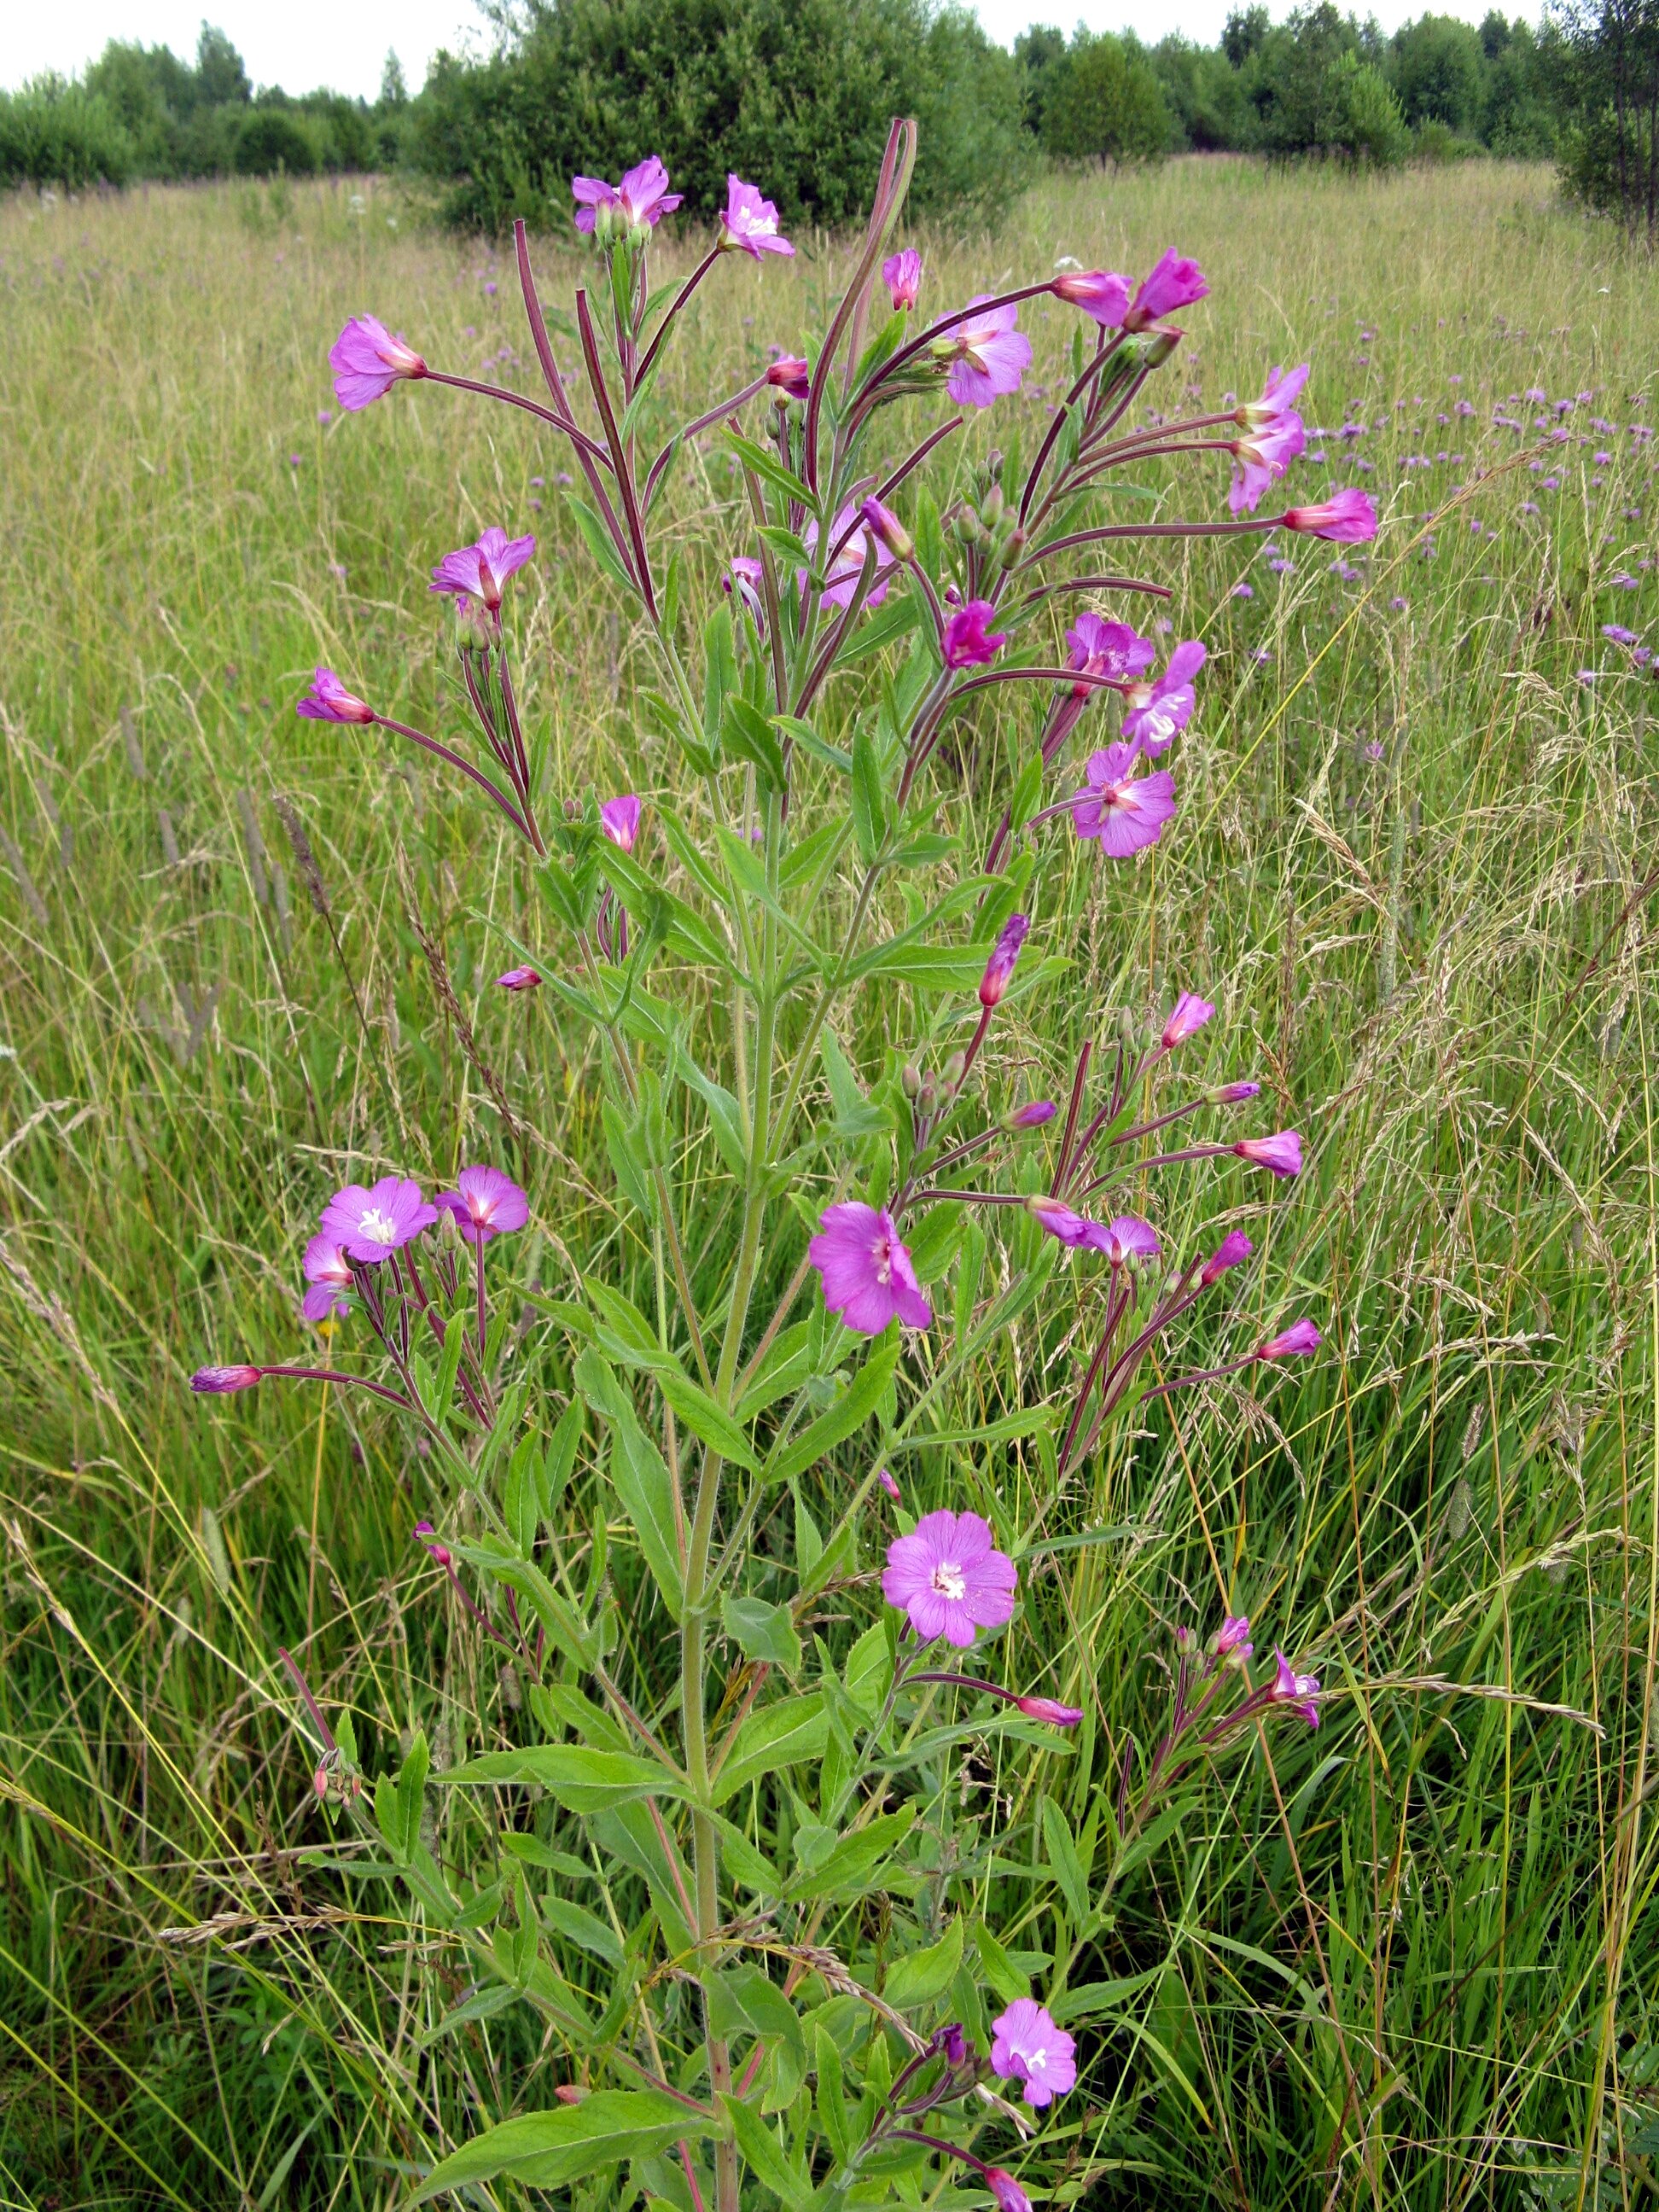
[882,1252]
[379,1228]
[950,1581]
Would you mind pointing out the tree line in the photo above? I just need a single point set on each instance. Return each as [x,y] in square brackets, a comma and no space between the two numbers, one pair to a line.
[801,91]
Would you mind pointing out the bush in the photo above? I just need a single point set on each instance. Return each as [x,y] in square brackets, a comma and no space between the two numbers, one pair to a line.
[1436,144]
[54,133]
[272,140]
[1367,127]
[1105,105]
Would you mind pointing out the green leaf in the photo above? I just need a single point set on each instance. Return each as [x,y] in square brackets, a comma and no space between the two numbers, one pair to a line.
[744,2001]
[849,1413]
[769,466]
[1004,1977]
[929,967]
[1067,1867]
[764,2157]
[569,1634]
[560,1458]
[1024,1421]
[833,2116]
[850,1866]
[548,2150]
[749,735]
[719,669]
[454,1338]
[893,620]
[639,1477]
[869,801]
[779,1735]
[598,542]
[789,548]
[580,1779]
[1091,1998]
[763,1632]
[922,1978]
[583,1928]
[397,1804]
[705,1419]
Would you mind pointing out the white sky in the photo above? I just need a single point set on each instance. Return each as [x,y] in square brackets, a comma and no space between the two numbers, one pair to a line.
[303,44]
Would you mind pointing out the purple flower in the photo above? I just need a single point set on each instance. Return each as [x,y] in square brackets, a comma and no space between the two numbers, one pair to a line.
[372,1224]
[1346,518]
[328,1272]
[485,1203]
[1000,967]
[1300,1336]
[884,1476]
[1232,1094]
[1126,1241]
[1173,283]
[742,580]
[328,700]
[619,818]
[1187,1017]
[1098,291]
[640,200]
[426,1534]
[519,979]
[1158,710]
[1124,810]
[477,572]
[1273,437]
[867,1270]
[1280,1154]
[791,376]
[1010,2196]
[1062,1221]
[1619,633]
[888,528]
[1031,1116]
[1049,1711]
[965,644]
[901,274]
[1299,1692]
[1026,2046]
[220,1380]
[1106,648]
[750,224]
[1233,1248]
[1233,1637]
[950,1578]
[368,361]
[988,355]
[846,566]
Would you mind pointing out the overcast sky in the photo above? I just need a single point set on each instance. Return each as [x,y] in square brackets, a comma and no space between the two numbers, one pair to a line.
[302,44]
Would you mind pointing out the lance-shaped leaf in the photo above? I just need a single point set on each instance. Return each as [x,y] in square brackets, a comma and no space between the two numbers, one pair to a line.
[639,1476]
[783,1734]
[577,1777]
[548,2150]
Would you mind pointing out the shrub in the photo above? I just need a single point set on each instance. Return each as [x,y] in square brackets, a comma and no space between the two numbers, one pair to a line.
[1366,127]
[55,133]
[1104,104]
[271,140]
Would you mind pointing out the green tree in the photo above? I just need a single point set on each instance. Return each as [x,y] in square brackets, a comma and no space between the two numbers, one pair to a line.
[1105,104]
[221,79]
[1438,70]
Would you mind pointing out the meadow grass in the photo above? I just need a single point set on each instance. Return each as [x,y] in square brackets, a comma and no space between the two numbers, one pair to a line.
[1408,1961]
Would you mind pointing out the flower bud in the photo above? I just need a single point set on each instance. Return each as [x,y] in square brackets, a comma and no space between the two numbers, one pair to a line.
[1012,546]
[910,1079]
[1157,346]
[218,1381]
[1000,967]
[1232,1638]
[1233,1248]
[519,979]
[951,1073]
[790,378]
[569,2093]
[423,1531]
[1049,1709]
[1231,1094]
[1184,1638]
[1031,1116]
[927,1095]
[884,1477]
[1010,2196]
[883,523]
[1187,1017]
[991,507]
[1300,1336]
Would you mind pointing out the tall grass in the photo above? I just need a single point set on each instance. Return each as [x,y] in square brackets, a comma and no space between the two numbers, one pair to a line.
[1411,1963]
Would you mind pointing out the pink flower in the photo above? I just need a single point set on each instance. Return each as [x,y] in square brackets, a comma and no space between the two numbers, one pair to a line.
[964,644]
[950,1578]
[477,572]
[328,1271]
[901,274]
[1126,1241]
[485,1203]
[1346,518]
[885,1478]
[750,224]
[1272,438]
[328,700]
[519,979]
[1032,1114]
[1233,1637]
[1299,1692]
[1300,1336]
[742,580]
[368,361]
[791,376]
[426,1534]
[1106,648]
[1098,291]
[220,1380]
[372,1224]
[640,200]
[846,566]
[1010,2196]
[1026,2046]
[1233,1248]
[1062,1221]
[988,355]
[867,1270]
[1125,812]
[1049,1711]
[1000,967]
[888,528]
[1188,1016]
[1173,283]
[619,818]
[1159,710]
[1280,1154]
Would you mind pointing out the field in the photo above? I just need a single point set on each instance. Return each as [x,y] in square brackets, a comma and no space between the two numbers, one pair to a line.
[1408,1961]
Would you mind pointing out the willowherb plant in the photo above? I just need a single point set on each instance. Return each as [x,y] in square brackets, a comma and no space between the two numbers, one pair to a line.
[680,1702]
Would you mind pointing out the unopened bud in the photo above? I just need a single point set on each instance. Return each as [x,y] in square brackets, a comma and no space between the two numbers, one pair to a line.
[319,1782]
[927,1094]
[218,1381]
[569,2093]
[1031,1116]
[951,1073]
[991,507]
[1000,967]
[1230,1094]
[1050,1711]
[883,523]
[1157,346]
[1184,1638]
[440,1553]
[884,1477]
[1012,546]
[910,1079]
